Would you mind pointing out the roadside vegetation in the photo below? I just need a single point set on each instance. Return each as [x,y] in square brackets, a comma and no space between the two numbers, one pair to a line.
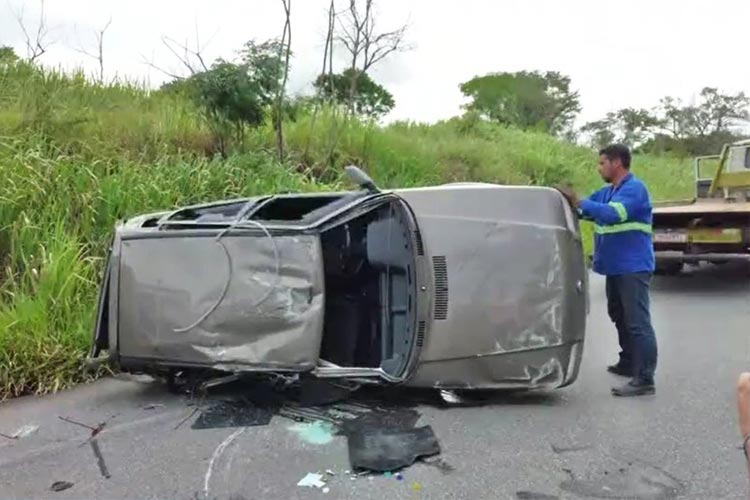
[77,154]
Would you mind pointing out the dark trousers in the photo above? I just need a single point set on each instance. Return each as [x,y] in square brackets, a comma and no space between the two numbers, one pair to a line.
[628,306]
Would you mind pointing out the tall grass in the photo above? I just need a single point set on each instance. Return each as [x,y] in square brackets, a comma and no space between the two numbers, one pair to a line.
[75,157]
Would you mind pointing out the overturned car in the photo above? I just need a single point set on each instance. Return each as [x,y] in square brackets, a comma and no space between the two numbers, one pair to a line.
[459,286]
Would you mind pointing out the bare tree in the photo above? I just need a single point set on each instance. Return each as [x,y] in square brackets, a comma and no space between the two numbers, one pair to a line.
[327,68]
[286,46]
[37,41]
[366,45]
[99,54]
[190,58]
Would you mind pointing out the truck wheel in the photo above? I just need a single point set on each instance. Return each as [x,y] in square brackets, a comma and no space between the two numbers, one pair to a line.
[669,268]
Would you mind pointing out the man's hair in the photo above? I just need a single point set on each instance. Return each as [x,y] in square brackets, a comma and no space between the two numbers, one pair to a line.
[617,151]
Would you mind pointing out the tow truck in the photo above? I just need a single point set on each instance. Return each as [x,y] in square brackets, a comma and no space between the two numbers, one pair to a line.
[712,227]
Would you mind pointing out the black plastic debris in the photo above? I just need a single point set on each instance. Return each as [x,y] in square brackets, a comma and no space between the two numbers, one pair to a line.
[233,414]
[389,450]
[61,486]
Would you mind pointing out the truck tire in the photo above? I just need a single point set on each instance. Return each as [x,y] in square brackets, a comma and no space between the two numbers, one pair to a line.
[668,268]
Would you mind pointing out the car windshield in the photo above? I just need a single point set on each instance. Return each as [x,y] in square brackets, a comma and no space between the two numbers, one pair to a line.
[297,209]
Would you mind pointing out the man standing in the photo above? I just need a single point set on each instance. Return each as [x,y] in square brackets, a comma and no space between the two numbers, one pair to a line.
[624,253]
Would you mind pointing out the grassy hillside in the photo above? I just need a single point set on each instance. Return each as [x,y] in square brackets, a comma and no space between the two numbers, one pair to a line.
[75,157]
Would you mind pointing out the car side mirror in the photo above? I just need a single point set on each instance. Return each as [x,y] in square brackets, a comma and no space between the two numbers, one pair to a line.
[358,177]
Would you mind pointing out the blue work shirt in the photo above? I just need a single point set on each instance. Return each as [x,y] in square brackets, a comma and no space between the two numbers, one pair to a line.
[623,241]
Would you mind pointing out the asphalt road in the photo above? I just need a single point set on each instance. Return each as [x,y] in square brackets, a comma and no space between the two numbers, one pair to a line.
[577,442]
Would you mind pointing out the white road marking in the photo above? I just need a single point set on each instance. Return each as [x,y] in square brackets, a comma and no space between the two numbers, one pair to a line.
[217,453]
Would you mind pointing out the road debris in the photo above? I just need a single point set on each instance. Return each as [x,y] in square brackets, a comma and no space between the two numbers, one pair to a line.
[312,480]
[95,430]
[152,406]
[22,432]
[99,458]
[439,464]
[530,495]
[317,432]
[569,449]
[388,450]
[232,414]
[61,486]
[416,486]
[190,415]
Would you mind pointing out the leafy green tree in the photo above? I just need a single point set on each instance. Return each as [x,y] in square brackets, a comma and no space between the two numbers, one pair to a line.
[528,100]
[600,132]
[700,128]
[629,126]
[719,112]
[371,99]
[636,125]
[8,55]
[236,95]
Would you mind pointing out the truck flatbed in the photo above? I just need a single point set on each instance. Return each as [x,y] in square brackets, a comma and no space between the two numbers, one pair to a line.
[701,206]
[713,226]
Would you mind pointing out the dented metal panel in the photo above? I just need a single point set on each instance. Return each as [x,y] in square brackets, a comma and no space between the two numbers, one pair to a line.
[168,282]
[516,287]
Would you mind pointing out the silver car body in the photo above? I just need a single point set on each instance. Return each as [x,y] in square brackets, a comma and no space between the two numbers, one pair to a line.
[457,286]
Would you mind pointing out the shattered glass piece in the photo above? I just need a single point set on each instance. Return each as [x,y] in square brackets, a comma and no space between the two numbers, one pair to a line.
[312,480]
[388,450]
[25,431]
[450,397]
[317,432]
[232,414]
[61,486]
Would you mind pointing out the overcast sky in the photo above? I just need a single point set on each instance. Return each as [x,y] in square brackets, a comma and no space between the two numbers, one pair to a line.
[618,53]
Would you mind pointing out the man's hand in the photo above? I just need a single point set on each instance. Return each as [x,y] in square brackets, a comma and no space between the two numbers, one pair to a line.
[571,195]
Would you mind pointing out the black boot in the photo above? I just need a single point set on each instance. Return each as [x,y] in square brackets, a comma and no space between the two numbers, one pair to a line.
[620,369]
[634,388]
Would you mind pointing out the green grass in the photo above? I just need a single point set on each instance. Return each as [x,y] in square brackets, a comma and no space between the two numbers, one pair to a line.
[75,157]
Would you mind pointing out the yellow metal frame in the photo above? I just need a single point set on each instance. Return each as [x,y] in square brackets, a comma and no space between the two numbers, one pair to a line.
[729,179]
